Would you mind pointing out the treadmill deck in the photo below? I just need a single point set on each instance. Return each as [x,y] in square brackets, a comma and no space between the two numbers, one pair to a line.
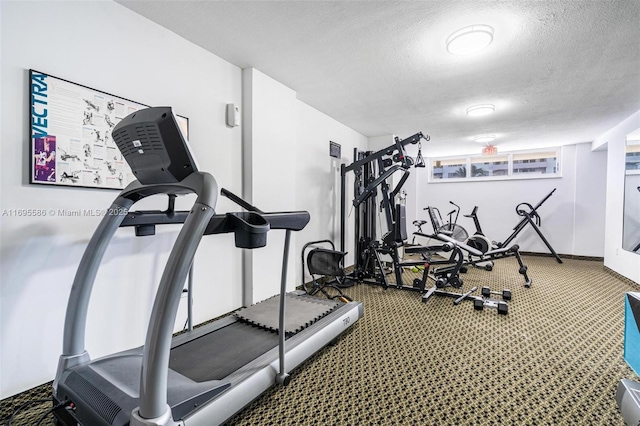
[237,344]
[215,370]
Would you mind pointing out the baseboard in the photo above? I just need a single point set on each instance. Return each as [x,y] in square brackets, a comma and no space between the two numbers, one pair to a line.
[564,256]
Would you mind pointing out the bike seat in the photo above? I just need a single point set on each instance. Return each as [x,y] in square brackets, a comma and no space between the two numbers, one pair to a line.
[419,222]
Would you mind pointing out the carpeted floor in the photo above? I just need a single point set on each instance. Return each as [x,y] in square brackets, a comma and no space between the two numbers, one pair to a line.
[556,358]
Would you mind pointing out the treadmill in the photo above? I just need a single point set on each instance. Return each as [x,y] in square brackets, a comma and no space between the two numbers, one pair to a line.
[206,375]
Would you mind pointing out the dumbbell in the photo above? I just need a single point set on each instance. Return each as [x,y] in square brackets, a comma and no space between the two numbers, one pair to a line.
[487,292]
[502,307]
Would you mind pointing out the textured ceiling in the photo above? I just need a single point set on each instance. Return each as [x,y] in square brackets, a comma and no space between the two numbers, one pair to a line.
[559,72]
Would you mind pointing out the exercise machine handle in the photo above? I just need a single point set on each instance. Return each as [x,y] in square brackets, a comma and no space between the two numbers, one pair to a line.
[531,212]
[473,213]
[239,201]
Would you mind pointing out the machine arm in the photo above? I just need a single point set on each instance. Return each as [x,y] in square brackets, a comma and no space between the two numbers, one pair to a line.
[387,151]
[371,188]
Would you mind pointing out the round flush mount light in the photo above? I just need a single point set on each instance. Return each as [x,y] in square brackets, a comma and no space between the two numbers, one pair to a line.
[470,39]
[484,138]
[480,110]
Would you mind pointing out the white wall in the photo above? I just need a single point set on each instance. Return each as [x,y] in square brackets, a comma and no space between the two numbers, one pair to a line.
[590,196]
[287,167]
[107,47]
[623,262]
[572,218]
[317,183]
[269,182]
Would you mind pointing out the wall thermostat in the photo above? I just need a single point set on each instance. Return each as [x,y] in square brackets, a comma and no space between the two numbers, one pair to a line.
[233,115]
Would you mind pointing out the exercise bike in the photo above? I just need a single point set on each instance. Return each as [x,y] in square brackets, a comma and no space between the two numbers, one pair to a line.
[451,227]
[476,257]
[477,241]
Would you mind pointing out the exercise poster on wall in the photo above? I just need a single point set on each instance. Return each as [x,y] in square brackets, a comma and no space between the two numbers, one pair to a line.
[70,129]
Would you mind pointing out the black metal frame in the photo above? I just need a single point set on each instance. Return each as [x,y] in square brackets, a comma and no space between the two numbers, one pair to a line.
[531,217]
[371,169]
[334,283]
[474,256]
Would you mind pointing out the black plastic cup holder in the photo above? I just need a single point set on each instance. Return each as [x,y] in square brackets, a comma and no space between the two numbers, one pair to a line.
[250,229]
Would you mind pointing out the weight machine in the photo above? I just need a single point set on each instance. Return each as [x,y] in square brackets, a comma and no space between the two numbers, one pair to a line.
[371,170]
[369,267]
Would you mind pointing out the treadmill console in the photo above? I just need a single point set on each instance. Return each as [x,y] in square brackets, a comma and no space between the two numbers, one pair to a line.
[153,145]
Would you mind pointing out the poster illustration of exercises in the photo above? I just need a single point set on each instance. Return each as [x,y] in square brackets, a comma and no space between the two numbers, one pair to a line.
[71,134]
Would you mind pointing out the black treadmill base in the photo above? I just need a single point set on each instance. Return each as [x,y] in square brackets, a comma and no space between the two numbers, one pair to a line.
[227,350]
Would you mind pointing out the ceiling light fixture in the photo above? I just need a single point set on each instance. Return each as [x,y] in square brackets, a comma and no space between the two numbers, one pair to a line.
[480,110]
[484,138]
[470,39]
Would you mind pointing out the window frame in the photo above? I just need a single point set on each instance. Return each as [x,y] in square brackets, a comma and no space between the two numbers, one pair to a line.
[467,160]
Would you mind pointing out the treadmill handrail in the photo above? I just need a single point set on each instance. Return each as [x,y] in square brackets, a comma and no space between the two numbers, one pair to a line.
[153,385]
[239,201]
[292,221]
[203,184]
[153,217]
[155,358]
[155,362]
[219,224]
[156,354]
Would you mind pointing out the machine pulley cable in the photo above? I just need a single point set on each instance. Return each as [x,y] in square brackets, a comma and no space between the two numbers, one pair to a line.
[419,159]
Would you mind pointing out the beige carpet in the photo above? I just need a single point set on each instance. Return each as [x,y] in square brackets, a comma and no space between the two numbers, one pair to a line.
[556,358]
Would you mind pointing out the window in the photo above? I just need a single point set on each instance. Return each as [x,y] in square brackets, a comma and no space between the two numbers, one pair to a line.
[632,156]
[510,165]
[490,166]
[535,162]
[450,168]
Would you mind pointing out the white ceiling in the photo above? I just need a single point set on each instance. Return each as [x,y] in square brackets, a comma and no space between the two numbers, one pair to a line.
[559,72]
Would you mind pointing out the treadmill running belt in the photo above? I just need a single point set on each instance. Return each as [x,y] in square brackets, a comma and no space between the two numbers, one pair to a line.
[218,354]
[300,313]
